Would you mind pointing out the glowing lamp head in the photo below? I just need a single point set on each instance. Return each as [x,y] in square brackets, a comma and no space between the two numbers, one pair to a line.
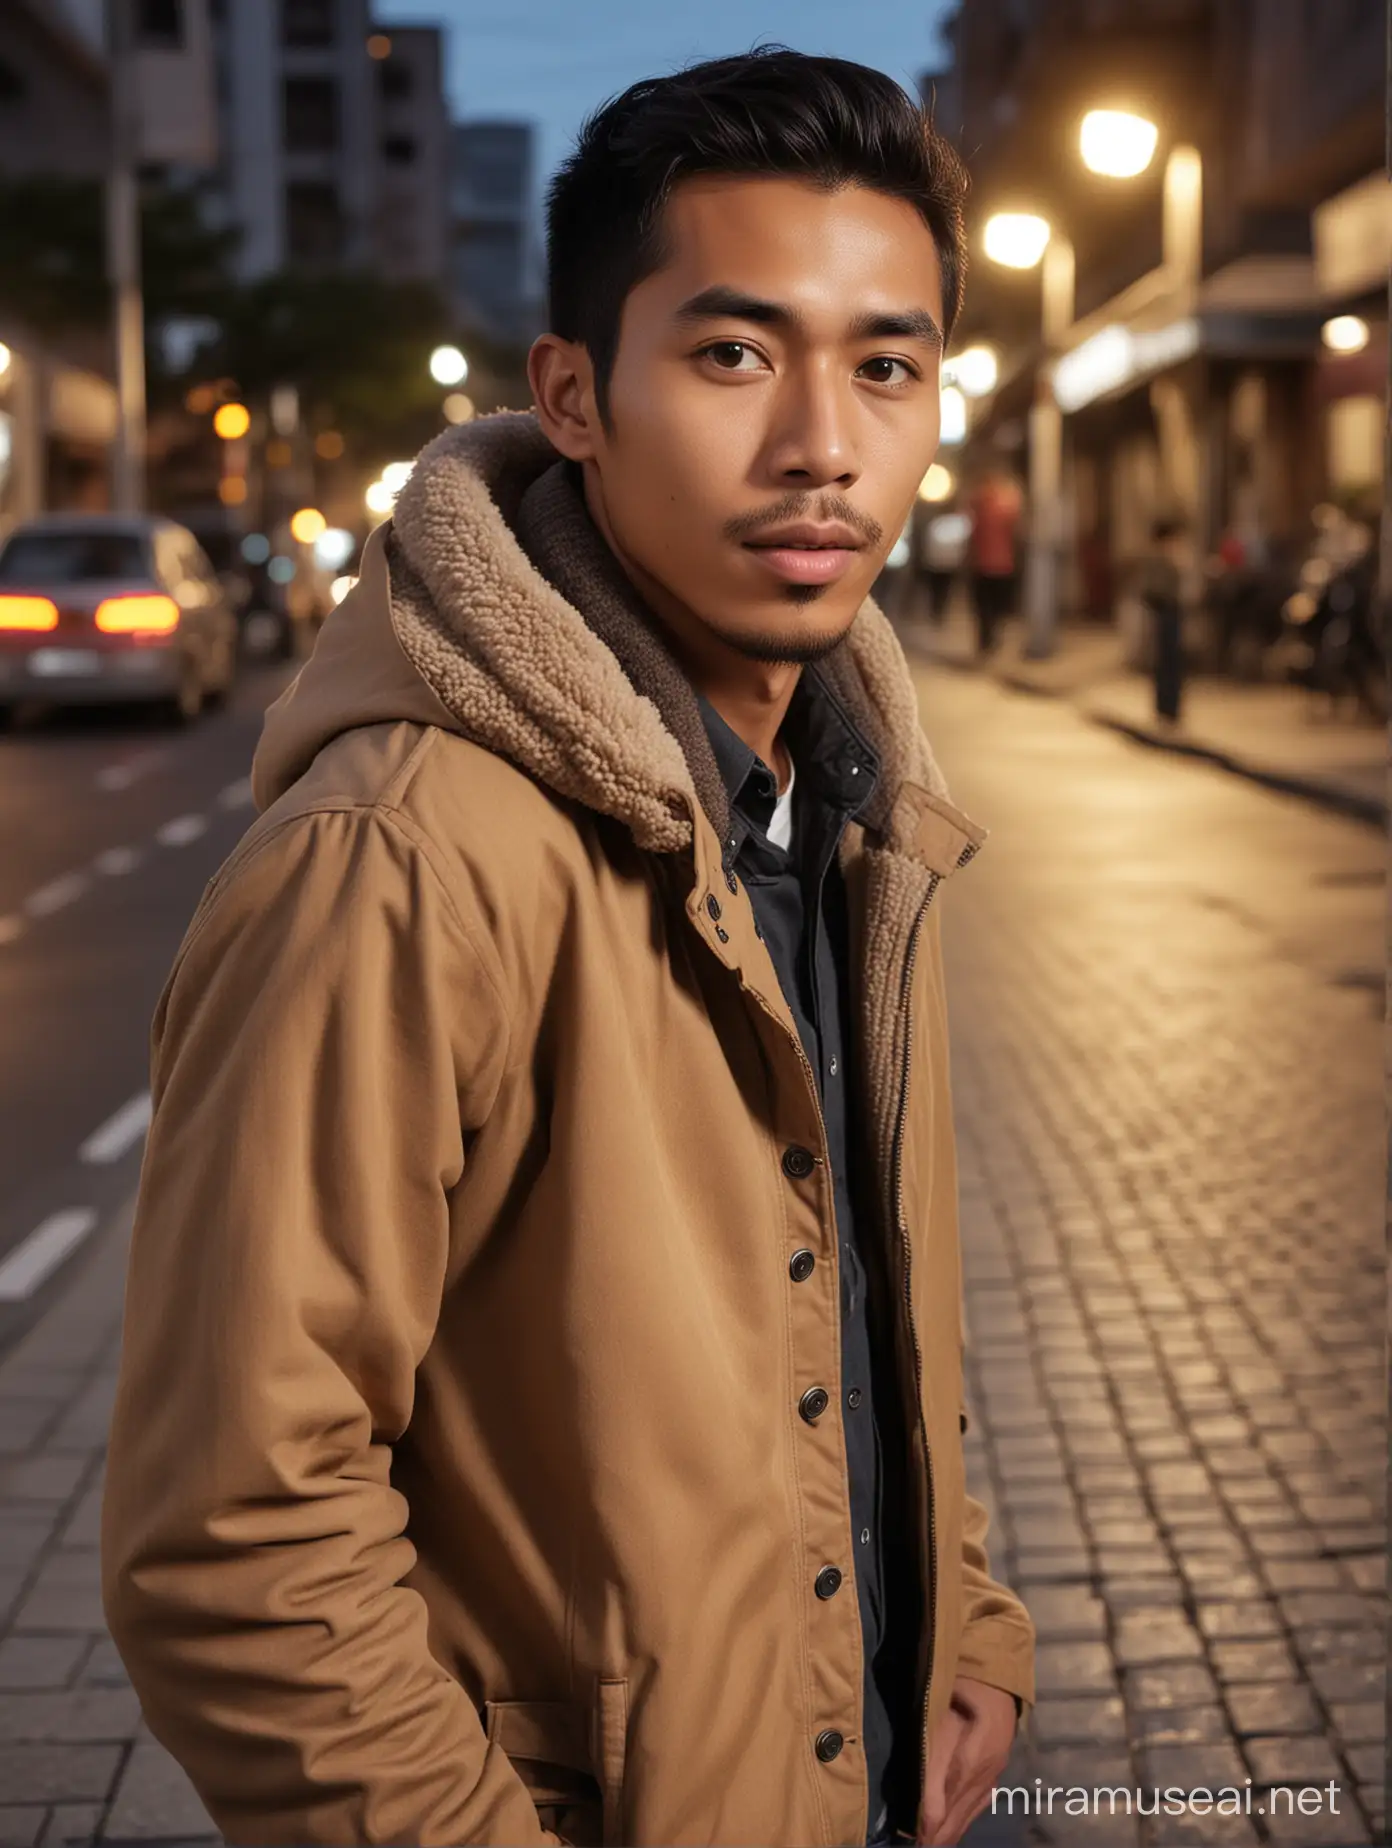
[1017,240]
[231,421]
[448,366]
[379,498]
[307,525]
[1346,333]
[1117,144]
[937,485]
[974,371]
[954,416]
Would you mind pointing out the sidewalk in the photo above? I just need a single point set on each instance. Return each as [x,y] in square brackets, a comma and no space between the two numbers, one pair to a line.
[1279,736]
[76,1765]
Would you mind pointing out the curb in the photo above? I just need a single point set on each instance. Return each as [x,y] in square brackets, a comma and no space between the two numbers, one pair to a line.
[1328,796]
[1350,803]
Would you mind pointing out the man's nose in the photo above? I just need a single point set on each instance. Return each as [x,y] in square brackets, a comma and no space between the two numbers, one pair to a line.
[813,441]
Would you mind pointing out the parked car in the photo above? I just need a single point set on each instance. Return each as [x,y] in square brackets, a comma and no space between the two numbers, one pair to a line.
[99,609]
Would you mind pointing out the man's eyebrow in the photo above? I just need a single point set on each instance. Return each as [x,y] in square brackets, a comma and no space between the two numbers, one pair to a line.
[721,302]
[909,324]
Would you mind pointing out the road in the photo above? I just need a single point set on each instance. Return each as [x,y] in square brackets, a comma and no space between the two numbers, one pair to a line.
[109,829]
[1167,1044]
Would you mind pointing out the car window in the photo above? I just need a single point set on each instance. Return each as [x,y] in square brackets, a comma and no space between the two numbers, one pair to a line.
[51,559]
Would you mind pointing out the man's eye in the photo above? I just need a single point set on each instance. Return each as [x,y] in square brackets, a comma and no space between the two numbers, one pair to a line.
[730,356]
[881,370]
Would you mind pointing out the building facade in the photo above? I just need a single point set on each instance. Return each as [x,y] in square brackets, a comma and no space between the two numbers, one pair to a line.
[413,153]
[1193,378]
[333,138]
[495,280]
[57,404]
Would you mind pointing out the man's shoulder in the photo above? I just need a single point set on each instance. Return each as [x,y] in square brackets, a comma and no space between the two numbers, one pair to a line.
[437,786]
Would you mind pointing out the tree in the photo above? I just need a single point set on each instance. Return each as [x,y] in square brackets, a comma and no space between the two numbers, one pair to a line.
[52,231]
[355,346]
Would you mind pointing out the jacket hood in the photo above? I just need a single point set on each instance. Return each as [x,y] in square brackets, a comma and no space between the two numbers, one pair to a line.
[456,622]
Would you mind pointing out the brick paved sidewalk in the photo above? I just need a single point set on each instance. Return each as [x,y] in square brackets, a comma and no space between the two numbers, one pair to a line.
[1274,734]
[1172,1159]
[75,1763]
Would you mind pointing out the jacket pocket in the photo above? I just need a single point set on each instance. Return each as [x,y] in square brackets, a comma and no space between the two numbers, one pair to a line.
[550,1746]
[611,1754]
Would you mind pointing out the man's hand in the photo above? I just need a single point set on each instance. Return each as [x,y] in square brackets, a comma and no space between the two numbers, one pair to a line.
[965,1757]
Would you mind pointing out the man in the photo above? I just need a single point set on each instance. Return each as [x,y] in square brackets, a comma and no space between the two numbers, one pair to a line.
[541,1408]
[1161,584]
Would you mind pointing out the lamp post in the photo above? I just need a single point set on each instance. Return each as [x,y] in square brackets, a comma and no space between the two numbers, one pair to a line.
[123,262]
[1020,240]
[1114,144]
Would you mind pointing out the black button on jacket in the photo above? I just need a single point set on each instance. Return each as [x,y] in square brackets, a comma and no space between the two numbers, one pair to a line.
[799,904]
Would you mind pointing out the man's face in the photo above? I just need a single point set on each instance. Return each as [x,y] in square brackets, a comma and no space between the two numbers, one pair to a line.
[772,411]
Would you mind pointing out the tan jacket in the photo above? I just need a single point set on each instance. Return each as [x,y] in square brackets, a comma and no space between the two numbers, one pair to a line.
[458,1490]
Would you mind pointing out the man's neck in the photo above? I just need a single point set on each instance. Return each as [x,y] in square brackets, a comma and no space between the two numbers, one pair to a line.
[751,696]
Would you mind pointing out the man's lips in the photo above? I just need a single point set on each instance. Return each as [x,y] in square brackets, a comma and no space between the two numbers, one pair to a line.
[805,564]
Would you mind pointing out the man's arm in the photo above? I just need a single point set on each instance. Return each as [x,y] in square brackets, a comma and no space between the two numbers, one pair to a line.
[997,1634]
[290,1248]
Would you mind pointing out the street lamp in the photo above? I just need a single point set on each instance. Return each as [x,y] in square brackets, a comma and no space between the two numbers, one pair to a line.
[973,371]
[448,366]
[1020,240]
[307,525]
[231,421]
[952,427]
[1016,239]
[938,485]
[1117,144]
[1346,333]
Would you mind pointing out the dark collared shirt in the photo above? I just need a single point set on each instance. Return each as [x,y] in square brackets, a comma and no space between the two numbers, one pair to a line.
[799,903]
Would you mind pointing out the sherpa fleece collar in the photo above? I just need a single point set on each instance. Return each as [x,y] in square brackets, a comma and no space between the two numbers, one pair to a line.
[525,673]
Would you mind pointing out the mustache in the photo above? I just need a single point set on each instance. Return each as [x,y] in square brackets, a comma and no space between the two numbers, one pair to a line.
[799,506]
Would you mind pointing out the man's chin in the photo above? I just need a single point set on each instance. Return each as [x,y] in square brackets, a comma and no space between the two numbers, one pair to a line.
[780,637]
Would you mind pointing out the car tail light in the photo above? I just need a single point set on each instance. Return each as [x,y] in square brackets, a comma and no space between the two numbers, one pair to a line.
[28,613]
[137,615]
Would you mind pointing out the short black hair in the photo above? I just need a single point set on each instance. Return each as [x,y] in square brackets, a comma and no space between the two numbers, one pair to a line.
[770,112]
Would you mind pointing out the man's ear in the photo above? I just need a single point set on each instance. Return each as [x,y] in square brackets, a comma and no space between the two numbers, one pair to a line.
[561,376]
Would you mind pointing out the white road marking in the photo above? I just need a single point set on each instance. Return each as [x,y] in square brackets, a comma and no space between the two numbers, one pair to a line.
[117,861]
[34,1260]
[113,777]
[10,928]
[236,795]
[182,830]
[56,894]
[119,1132]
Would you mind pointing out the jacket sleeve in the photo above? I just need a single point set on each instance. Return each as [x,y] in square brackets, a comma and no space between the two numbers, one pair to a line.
[997,1644]
[313,1097]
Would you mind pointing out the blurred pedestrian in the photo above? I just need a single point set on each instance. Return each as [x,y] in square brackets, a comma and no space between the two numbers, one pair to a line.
[1162,591]
[539,1411]
[946,535]
[996,503]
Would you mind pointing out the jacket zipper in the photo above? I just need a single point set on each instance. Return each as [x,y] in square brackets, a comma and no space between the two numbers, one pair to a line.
[897,1169]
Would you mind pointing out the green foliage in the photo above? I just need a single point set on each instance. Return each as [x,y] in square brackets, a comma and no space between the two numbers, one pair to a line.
[355,346]
[53,234]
